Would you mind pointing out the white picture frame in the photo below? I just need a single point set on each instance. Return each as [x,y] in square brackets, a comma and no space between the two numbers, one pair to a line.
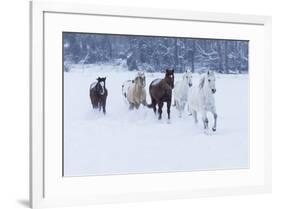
[47,186]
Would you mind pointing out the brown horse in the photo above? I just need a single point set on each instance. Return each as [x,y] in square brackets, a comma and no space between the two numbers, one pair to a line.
[160,91]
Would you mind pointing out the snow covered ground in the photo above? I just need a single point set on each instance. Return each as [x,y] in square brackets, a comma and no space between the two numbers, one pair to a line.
[124,141]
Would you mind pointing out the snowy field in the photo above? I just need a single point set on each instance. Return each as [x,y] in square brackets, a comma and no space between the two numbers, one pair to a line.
[123,141]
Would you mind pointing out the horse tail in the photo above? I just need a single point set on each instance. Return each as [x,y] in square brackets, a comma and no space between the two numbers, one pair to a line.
[123,92]
[152,104]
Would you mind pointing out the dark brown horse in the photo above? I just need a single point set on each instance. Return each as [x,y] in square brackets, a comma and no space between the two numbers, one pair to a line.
[160,91]
[98,94]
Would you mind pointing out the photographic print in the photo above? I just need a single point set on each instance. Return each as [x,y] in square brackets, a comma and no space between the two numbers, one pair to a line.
[137,104]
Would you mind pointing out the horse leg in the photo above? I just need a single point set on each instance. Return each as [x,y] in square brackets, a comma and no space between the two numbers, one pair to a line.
[188,110]
[160,105]
[205,120]
[182,107]
[99,104]
[169,108]
[153,102]
[103,106]
[137,106]
[144,102]
[215,115]
[95,104]
[92,102]
[92,99]
[194,113]
[176,103]
[131,106]
[177,106]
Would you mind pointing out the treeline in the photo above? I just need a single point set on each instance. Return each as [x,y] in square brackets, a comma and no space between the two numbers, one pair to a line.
[156,53]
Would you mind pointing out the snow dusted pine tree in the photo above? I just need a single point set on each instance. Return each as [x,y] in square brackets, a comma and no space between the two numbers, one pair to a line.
[155,54]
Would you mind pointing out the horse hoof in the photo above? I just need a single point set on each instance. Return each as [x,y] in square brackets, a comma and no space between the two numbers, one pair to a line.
[214,129]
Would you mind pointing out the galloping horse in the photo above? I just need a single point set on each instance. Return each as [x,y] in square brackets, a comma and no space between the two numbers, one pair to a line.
[160,91]
[201,99]
[98,94]
[181,91]
[136,94]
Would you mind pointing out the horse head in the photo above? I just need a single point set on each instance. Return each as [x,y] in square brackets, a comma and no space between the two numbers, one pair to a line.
[100,87]
[140,80]
[187,76]
[209,81]
[169,77]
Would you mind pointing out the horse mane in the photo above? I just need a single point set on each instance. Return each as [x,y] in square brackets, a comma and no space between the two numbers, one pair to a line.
[140,75]
[204,77]
[201,82]
[135,80]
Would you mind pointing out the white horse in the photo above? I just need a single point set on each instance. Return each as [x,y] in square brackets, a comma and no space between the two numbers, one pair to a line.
[181,91]
[201,99]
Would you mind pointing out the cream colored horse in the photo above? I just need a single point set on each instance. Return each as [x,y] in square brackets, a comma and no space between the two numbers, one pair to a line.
[136,94]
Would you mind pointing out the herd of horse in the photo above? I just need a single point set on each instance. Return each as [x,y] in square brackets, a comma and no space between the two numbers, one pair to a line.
[195,98]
